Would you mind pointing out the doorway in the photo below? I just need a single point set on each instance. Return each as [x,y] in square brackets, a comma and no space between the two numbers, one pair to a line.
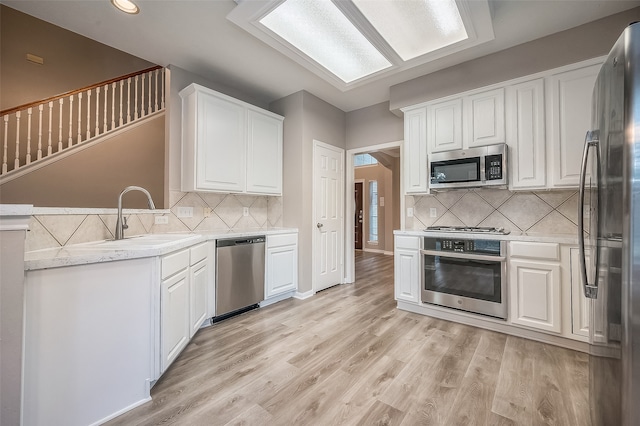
[382,200]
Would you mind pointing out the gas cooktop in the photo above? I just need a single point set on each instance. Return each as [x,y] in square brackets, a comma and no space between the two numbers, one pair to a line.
[478,229]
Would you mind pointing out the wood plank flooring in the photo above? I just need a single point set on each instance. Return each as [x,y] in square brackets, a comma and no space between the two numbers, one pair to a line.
[347,356]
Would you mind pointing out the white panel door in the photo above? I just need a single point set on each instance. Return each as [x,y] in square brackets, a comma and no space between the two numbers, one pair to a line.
[444,125]
[175,316]
[199,281]
[570,118]
[264,153]
[221,144]
[525,134]
[579,303]
[328,216]
[407,275]
[484,118]
[415,151]
[282,270]
[535,295]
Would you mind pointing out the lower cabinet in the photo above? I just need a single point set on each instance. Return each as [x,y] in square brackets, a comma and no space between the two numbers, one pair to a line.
[579,302]
[535,294]
[281,265]
[186,283]
[407,268]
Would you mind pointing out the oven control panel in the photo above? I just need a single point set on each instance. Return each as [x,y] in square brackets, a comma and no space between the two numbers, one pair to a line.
[457,245]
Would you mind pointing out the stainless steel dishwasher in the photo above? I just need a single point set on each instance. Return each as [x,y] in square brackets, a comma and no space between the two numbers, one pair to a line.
[239,275]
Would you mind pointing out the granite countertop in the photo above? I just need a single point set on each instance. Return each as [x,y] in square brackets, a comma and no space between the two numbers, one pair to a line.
[513,236]
[133,247]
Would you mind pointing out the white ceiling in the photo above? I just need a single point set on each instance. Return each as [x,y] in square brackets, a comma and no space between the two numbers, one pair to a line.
[195,35]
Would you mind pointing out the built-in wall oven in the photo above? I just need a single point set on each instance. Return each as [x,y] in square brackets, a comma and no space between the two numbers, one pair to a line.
[465,273]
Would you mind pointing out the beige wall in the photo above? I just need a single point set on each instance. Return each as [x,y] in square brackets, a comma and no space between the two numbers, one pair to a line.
[95,176]
[373,125]
[307,118]
[574,45]
[71,61]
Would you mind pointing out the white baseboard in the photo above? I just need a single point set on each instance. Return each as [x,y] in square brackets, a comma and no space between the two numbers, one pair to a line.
[305,295]
[277,298]
[388,253]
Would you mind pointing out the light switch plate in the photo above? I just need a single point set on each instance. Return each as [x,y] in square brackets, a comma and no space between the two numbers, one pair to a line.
[185,212]
[245,211]
[433,212]
[410,212]
[161,220]
[381,201]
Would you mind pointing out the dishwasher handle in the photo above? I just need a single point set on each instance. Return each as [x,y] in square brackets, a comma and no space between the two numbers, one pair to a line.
[240,242]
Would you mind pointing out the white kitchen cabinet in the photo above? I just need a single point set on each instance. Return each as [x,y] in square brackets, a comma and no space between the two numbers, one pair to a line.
[228,145]
[535,285]
[444,125]
[415,151]
[174,307]
[579,303]
[281,265]
[407,268]
[264,153]
[569,119]
[525,127]
[483,118]
[199,286]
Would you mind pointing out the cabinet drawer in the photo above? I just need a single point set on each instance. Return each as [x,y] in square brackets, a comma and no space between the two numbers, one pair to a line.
[281,240]
[174,262]
[199,252]
[546,251]
[406,242]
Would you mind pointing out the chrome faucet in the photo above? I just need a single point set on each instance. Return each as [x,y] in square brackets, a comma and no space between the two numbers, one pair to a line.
[121,223]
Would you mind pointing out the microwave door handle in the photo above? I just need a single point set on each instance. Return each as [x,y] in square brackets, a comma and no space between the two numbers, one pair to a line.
[465,256]
[591,140]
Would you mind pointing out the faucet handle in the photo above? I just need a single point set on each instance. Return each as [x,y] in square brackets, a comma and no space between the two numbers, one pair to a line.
[124,223]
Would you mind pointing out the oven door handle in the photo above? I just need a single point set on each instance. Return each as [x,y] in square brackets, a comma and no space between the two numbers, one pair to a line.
[465,256]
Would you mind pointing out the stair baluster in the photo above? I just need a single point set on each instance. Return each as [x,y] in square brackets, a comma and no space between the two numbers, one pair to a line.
[28,158]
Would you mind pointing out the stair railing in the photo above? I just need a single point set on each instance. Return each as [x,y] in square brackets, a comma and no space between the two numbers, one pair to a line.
[37,130]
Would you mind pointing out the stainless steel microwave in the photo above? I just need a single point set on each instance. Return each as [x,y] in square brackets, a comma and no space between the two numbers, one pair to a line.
[469,168]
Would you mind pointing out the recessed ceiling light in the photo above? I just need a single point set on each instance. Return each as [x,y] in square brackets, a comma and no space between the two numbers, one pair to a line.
[127,6]
[427,25]
[321,31]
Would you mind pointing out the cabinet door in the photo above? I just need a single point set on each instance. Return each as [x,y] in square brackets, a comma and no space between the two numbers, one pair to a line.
[198,282]
[220,144]
[175,316]
[525,134]
[415,151]
[407,275]
[569,116]
[444,125]
[535,295]
[579,303]
[484,118]
[264,153]
[282,270]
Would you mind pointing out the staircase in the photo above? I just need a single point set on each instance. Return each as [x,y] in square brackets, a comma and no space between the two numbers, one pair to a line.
[45,131]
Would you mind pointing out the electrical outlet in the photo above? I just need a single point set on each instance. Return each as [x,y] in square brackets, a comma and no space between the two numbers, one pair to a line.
[245,211]
[433,212]
[410,212]
[185,212]
[161,220]
[206,212]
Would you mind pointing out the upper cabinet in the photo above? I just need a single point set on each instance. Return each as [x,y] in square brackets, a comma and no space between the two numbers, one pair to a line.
[415,151]
[229,145]
[569,118]
[543,118]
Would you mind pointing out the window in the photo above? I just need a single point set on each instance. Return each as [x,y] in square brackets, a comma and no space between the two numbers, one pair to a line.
[373,211]
[363,160]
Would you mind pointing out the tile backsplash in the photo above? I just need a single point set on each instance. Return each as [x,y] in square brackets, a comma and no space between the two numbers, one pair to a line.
[210,212]
[540,212]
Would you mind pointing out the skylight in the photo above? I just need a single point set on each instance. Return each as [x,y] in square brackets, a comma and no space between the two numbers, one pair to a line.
[321,31]
[426,25]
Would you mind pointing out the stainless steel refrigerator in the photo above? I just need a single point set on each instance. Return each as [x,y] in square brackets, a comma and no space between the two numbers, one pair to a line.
[609,236]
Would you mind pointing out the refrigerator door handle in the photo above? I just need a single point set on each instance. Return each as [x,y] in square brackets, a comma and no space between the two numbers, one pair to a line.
[591,140]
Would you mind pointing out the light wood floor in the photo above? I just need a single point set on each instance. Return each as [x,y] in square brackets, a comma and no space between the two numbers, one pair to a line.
[348,356]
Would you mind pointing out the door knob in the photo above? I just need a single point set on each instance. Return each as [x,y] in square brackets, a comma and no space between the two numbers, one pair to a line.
[319,225]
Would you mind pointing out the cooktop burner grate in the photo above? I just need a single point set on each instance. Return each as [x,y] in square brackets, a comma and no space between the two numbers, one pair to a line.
[477,229]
